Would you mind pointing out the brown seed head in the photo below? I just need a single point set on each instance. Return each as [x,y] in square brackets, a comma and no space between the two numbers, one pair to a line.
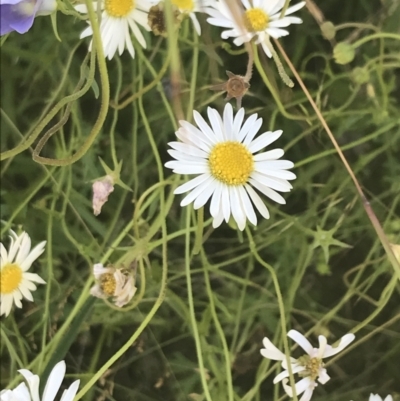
[235,87]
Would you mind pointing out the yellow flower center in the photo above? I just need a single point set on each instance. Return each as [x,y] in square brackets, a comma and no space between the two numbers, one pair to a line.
[108,283]
[186,5]
[256,20]
[312,365]
[119,8]
[231,163]
[10,278]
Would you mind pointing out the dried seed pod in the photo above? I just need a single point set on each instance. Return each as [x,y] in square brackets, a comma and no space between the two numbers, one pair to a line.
[235,87]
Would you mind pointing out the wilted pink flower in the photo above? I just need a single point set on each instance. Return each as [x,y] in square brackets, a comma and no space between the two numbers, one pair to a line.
[101,189]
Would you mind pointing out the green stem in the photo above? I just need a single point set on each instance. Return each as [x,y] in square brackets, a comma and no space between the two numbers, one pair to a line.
[105,96]
[191,309]
[219,328]
[281,308]
[380,35]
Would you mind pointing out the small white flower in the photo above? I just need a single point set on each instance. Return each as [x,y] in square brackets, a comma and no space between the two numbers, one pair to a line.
[112,282]
[15,281]
[259,19]
[21,392]
[227,168]
[310,366]
[119,18]
[376,397]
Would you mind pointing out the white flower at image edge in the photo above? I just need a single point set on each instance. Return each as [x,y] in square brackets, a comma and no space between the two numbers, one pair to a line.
[22,393]
[118,19]
[310,366]
[260,19]
[376,397]
[223,158]
[15,281]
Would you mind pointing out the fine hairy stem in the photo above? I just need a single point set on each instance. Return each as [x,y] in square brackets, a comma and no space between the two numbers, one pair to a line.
[367,206]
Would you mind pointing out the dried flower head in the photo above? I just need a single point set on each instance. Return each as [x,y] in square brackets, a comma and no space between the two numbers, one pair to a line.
[112,282]
[157,22]
[101,189]
[235,87]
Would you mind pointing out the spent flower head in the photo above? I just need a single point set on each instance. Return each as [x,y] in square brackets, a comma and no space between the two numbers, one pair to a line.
[310,367]
[15,280]
[116,283]
[31,392]
[157,21]
[223,158]
[257,19]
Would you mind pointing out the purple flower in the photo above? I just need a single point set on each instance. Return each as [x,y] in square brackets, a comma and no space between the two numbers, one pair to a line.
[18,15]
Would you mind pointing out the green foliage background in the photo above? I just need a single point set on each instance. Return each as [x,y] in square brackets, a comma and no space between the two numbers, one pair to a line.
[333,273]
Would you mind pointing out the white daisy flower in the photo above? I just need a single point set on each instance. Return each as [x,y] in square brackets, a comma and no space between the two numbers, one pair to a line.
[21,392]
[259,19]
[112,282]
[376,397]
[190,7]
[118,19]
[310,366]
[15,282]
[227,168]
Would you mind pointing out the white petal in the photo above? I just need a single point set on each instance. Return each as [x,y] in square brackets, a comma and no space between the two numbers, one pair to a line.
[236,208]
[33,277]
[237,123]
[323,376]
[33,383]
[270,193]
[259,204]
[6,304]
[270,351]
[252,132]
[187,186]
[264,140]
[195,23]
[307,394]
[247,126]
[228,122]
[205,195]
[301,340]
[204,127]
[215,206]
[54,381]
[344,342]
[69,394]
[225,203]
[196,192]
[25,292]
[271,182]
[216,123]
[272,154]
[187,167]
[218,219]
[246,205]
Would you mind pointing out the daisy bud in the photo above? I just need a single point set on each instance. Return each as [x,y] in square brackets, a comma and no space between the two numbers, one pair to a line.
[343,53]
